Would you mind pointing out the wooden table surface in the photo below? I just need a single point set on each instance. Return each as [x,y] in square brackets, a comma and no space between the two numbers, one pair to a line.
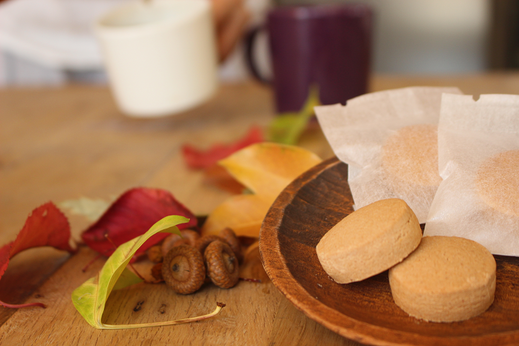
[70,142]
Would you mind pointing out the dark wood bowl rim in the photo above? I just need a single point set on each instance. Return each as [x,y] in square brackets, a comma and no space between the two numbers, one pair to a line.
[275,265]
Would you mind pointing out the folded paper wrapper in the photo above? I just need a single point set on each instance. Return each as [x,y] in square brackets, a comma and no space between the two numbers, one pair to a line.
[478,159]
[358,131]
[478,153]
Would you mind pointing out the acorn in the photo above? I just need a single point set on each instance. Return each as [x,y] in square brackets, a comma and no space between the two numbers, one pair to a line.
[183,269]
[156,272]
[155,254]
[230,237]
[188,237]
[202,242]
[222,264]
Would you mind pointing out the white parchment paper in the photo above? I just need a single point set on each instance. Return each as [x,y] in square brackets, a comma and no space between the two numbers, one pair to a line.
[357,133]
[470,135]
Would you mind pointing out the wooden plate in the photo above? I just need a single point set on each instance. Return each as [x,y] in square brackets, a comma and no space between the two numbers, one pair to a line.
[363,311]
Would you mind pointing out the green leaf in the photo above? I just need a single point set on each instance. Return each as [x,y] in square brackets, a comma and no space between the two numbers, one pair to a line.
[90,298]
[286,128]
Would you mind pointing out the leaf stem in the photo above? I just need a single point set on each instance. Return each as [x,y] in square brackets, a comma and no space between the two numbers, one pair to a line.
[19,306]
[137,273]
[219,307]
[85,268]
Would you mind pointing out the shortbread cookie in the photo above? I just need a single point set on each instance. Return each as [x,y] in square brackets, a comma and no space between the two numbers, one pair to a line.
[445,279]
[497,182]
[370,240]
[411,155]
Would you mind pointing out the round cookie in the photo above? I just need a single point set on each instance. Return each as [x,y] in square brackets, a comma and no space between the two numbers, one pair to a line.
[368,241]
[411,155]
[497,182]
[445,279]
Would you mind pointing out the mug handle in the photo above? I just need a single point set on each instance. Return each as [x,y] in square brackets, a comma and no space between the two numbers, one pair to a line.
[250,57]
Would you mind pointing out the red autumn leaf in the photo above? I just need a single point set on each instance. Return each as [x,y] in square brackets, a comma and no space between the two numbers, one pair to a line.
[46,226]
[130,216]
[196,158]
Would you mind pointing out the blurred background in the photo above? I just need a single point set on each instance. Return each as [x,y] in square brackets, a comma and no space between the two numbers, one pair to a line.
[50,42]
[442,36]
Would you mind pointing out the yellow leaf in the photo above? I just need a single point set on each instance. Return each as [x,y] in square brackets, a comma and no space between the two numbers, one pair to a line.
[242,213]
[267,168]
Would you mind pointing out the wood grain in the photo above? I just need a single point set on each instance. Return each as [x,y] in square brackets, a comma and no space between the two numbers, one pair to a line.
[64,143]
[255,314]
[363,311]
[68,142]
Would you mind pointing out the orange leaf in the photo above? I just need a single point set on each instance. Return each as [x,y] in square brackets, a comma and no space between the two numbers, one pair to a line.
[267,168]
[242,213]
[218,176]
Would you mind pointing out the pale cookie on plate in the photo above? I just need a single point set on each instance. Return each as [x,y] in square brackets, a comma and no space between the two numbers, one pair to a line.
[445,279]
[368,241]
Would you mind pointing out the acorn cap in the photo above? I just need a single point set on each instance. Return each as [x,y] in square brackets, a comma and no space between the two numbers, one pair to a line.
[230,237]
[202,242]
[222,264]
[183,269]
[188,237]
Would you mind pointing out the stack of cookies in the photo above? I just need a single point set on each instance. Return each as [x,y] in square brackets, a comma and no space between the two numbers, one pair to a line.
[439,279]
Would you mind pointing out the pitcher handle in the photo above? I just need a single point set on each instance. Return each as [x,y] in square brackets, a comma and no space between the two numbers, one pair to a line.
[250,59]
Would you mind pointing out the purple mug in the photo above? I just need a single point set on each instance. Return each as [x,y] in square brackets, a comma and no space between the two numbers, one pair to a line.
[327,46]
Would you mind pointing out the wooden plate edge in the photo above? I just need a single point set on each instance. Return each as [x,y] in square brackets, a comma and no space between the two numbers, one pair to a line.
[275,266]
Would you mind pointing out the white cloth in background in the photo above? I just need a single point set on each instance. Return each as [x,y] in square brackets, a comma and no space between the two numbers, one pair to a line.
[55,33]
[52,41]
